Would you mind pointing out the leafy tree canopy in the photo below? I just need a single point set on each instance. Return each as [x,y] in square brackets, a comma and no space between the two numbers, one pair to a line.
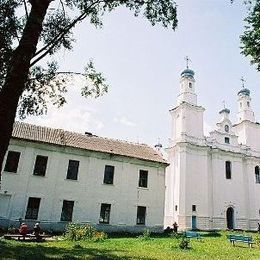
[45,84]
[250,39]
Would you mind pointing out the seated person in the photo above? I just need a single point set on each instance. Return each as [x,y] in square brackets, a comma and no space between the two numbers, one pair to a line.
[23,229]
[37,230]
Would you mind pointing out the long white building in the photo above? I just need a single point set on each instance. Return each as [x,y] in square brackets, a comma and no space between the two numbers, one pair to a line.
[212,182]
[54,176]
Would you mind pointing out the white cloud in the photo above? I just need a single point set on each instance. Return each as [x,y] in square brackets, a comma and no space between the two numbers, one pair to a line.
[78,115]
[124,121]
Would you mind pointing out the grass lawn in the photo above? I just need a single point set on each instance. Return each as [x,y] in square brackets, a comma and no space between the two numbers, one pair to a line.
[209,247]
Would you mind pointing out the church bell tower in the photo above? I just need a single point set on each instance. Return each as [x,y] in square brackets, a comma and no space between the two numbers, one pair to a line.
[245,111]
[187,116]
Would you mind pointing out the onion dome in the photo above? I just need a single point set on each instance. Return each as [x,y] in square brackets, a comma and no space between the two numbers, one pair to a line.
[224,110]
[188,73]
[244,91]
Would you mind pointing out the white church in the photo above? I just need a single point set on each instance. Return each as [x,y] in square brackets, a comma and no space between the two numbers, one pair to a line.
[53,176]
[212,182]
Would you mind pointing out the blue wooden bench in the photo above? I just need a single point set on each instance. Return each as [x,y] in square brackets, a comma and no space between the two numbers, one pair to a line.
[192,234]
[240,238]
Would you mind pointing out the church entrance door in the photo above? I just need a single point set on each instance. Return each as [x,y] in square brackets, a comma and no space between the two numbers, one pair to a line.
[194,222]
[230,218]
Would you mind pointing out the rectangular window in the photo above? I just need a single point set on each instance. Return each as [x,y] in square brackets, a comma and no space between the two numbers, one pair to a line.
[227,141]
[176,207]
[73,168]
[109,174]
[194,208]
[67,210]
[257,174]
[12,161]
[143,178]
[40,165]
[141,213]
[228,170]
[32,208]
[257,178]
[105,213]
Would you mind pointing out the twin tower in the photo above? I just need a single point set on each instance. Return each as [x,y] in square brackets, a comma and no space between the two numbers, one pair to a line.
[187,116]
[212,181]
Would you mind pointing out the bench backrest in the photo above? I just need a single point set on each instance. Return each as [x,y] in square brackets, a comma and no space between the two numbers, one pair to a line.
[240,238]
[191,234]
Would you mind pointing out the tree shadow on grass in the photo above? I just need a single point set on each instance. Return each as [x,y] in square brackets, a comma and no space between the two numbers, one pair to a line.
[25,251]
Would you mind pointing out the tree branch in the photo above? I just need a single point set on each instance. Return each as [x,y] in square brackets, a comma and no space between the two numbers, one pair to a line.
[51,45]
[62,5]
[25,8]
[48,47]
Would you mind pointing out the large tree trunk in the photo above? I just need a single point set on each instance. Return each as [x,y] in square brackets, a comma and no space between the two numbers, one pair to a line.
[18,73]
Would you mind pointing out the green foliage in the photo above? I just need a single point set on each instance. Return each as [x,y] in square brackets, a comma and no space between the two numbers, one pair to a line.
[146,235]
[46,85]
[76,232]
[250,39]
[184,243]
[175,235]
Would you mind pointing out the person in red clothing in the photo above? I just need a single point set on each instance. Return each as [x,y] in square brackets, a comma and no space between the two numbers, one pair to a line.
[23,229]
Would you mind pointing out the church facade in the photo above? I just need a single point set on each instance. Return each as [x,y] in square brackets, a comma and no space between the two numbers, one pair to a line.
[213,181]
[54,177]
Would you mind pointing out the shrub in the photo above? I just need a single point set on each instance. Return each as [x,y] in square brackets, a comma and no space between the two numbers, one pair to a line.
[184,243]
[175,235]
[99,236]
[75,232]
[146,235]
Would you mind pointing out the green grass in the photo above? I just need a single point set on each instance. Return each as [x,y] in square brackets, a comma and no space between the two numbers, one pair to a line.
[211,246]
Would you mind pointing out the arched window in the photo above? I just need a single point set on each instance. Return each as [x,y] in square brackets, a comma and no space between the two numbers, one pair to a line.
[257,174]
[228,170]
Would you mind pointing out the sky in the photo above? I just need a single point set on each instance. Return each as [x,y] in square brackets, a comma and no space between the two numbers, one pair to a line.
[142,65]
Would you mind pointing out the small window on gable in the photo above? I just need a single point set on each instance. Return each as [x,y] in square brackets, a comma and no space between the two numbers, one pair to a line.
[190,85]
[12,161]
[143,178]
[40,165]
[109,174]
[67,210]
[227,140]
[226,128]
[73,168]
[141,214]
[228,169]
[257,174]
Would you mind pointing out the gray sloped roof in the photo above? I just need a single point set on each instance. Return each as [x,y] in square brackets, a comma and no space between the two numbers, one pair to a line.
[61,137]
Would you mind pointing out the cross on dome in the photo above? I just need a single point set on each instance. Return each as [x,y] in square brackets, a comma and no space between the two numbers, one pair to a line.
[187,59]
[243,82]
